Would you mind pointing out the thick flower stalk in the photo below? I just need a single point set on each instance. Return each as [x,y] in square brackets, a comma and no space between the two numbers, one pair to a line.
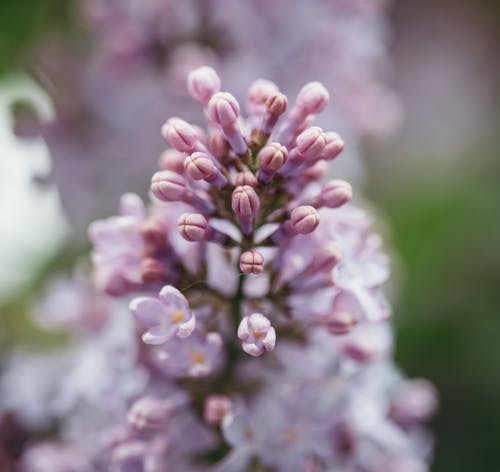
[255,289]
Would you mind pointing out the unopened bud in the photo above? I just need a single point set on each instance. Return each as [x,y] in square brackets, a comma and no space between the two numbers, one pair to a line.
[246,204]
[313,98]
[334,194]
[203,83]
[246,178]
[168,186]
[193,227]
[149,413]
[173,160]
[251,262]
[216,408]
[304,219]
[180,134]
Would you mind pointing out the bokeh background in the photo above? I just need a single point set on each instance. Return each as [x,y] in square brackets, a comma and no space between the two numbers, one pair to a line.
[435,180]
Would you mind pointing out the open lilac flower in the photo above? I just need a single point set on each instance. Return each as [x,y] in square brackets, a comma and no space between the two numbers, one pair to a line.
[241,250]
[196,356]
[164,317]
[257,334]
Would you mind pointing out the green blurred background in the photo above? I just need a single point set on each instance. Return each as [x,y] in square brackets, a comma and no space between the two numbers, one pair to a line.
[436,181]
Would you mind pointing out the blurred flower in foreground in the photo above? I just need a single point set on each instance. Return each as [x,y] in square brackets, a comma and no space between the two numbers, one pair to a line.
[138,54]
[260,323]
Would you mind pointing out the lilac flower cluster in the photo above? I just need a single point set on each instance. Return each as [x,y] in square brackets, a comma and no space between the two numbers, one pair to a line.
[260,337]
[136,57]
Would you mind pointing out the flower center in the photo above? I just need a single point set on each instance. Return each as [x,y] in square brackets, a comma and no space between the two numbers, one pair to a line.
[198,357]
[178,317]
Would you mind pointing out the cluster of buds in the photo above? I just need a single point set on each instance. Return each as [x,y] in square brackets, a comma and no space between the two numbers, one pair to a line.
[243,253]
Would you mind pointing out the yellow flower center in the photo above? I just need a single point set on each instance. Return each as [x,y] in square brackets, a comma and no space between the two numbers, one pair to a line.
[178,317]
[198,357]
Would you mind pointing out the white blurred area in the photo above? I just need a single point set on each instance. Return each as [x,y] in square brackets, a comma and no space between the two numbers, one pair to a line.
[32,225]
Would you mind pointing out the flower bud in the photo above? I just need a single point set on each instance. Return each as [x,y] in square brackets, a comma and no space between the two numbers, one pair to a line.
[260,90]
[223,109]
[180,134]
[309,145]
[276,104]
[246,204]
[173,160]
[152,270]
[194,227]
[149,413]
[271,158]
[251,262]
[313,98]
[340,322]
[325,259]
[203,83]
[246,178]
[415,402]
[304,219]
[334,194]
[219,146]
[311,142]
[199,166]
[216,408]
[168,186]
[257,334]
[334,146]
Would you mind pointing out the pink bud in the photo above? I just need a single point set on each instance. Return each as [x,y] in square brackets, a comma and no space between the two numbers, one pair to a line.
[154,234]
[315,172]
[153,271]
[334,194]
[203,83]
[245,201]
[194,227]
[415,402]
[168,186]
[340,322]
[304,219]
[180,134]
[313,98]
[272,157]
[149,413]
[251,262]
[219,146]
[173,160]
[216,408]
[260,90]
[199,166]
[334,146]
[246,178]
[246,204]
[276,104]
[223,109]
[311,142]
[326,258]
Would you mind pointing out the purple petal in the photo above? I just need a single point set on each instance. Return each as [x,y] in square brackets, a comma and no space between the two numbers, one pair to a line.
[185,329]
[158,334]
[172,298]
[148,311]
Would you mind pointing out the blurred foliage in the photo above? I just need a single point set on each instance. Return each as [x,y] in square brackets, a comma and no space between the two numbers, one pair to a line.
[447,234]
[23,23]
